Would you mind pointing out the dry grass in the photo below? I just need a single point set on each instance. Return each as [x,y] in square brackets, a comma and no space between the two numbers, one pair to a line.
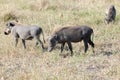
[33,64]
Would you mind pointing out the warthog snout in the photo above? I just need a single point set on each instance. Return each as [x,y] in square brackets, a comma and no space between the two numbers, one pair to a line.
[7,31]
[49,50]
[52,43]
[50,47]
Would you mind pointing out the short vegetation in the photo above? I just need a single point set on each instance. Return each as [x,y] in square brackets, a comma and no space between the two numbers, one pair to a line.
[32,63]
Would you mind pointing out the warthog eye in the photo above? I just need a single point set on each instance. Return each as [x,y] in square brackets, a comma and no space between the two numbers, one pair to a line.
[52,40]
[10,24]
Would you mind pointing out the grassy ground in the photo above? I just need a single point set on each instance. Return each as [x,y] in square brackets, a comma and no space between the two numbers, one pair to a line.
[33,64]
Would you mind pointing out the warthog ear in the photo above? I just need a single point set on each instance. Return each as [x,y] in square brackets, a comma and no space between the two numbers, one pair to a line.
[16,20]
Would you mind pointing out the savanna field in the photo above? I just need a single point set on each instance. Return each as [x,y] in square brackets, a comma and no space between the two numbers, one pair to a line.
[17,63]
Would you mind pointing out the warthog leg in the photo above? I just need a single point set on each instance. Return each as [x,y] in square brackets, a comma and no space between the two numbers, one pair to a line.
[62,47]
[70,47]
[86,45]
[39,41]
[92,45]
[36,43]
[23,42]
[16,42]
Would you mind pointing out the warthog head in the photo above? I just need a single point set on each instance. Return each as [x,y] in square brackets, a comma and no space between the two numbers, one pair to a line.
[9,25]
[52,41]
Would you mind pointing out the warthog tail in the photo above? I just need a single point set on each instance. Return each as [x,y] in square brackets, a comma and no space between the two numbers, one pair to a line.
[92,36]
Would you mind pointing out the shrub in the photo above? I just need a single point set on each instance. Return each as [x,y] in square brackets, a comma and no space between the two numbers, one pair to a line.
[9,16]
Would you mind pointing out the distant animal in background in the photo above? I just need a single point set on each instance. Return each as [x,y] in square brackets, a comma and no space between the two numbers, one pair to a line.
[110,14]
[71,34]
[25,33]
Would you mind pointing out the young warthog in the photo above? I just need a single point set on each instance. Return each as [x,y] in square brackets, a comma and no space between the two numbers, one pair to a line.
[25,33]
[110,14]
[71,34]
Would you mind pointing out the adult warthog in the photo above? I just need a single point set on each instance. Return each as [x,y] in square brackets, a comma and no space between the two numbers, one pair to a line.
[71,34]
[110,14]
[25,33]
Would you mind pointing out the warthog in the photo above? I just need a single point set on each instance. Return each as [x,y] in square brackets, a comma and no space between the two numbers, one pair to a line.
[25,33]
[71,34]
[110,14]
